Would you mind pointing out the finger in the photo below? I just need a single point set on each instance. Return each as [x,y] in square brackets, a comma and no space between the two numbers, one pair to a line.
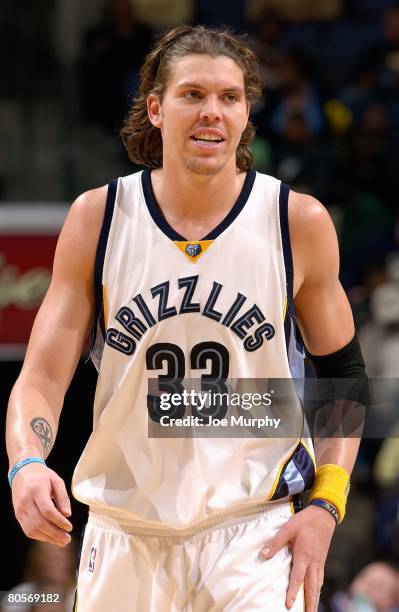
[59,536]
[320,581]
[297,577]
[48,510]
[37,527]
[35,534]
[312,589]
[60,495]
[276,543]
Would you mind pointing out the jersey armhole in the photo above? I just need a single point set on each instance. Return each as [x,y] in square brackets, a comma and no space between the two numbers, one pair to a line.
[294,344]
[99,320]
[286,242]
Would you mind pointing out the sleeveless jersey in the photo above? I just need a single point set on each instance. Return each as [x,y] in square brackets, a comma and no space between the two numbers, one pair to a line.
[170,307]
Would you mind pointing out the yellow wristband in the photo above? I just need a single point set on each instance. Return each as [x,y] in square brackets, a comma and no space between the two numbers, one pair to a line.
[332,484]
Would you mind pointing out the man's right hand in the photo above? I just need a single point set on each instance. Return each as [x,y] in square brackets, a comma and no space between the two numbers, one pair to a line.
[41,504]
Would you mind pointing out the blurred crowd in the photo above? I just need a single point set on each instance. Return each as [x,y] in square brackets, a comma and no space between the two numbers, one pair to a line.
[328,125]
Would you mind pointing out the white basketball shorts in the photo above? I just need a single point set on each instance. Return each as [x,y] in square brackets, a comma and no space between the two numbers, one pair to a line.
[212,570]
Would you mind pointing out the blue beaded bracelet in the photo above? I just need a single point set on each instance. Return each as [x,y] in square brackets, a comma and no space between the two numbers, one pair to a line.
[322,503]
[20,464]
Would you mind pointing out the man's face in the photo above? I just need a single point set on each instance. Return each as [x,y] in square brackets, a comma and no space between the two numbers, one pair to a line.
[203,113]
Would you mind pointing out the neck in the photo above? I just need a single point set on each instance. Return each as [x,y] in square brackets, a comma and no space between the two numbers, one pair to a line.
[195,204]
[185,195]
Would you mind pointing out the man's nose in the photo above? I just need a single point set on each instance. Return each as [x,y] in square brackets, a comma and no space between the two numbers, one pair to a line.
[210,109]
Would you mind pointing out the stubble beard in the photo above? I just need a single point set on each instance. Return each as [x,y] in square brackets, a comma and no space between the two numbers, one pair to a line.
[197,166]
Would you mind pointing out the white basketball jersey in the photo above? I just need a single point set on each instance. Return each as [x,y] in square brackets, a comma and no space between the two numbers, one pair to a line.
[167,307]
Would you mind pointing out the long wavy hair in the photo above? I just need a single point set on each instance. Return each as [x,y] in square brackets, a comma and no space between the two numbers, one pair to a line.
[142,140]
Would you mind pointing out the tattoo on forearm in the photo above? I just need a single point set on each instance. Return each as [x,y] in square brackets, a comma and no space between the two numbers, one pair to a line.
[43,430]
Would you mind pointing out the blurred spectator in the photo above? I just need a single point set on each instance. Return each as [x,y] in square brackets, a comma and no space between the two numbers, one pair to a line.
[301,160]
[298,95]
[366,9]
[383,58]
[374,589]
[211,13]
[262,152]
[385,310]
[72,18]
[27,62]
[268,47]
[382,331]
[368,179]
[111,58]
[49,569]
[297,10]
[161,14]
[386,475]
[373,168]
[360,91]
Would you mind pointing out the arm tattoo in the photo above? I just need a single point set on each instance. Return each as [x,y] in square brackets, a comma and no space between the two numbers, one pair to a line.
[43,430]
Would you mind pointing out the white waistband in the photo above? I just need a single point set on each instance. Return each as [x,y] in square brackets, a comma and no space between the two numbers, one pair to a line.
[111,520]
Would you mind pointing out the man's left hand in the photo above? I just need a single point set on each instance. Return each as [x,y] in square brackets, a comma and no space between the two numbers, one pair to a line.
[308,534]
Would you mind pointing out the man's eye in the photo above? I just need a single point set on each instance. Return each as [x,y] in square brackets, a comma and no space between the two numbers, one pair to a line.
[192,94]
[231,97]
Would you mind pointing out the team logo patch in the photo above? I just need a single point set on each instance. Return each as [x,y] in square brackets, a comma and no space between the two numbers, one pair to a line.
[92,559]
[193,249]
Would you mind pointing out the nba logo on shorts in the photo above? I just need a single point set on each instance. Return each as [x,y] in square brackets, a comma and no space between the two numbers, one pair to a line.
[92,559]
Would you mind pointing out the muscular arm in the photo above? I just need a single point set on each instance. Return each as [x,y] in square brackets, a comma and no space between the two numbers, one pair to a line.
[326,324]
[57,339]
[323,311]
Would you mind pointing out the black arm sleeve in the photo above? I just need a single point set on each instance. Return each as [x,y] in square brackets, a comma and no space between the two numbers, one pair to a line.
[336,401]
[347,362]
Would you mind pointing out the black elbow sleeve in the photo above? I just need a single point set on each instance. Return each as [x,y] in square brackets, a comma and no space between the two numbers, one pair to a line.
[340,376]
[347,362]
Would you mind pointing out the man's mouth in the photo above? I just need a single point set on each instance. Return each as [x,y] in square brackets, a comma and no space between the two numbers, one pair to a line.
[207,139]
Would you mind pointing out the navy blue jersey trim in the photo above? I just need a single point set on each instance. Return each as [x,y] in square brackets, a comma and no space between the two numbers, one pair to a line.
[288,263]
[168,230]
[305,467]
[297,503]
[154,210]
[237,208]
[100,255]
[289,269]
[285,235]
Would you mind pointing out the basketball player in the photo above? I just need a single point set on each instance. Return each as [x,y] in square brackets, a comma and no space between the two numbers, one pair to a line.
[200,267]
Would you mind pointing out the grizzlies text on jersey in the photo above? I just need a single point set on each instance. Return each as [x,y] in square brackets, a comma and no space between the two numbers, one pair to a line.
[166,304]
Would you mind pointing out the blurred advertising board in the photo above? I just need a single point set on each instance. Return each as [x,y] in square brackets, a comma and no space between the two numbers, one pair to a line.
[28,237]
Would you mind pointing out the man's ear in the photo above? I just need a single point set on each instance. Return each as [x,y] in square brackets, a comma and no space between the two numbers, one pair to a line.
[154,110]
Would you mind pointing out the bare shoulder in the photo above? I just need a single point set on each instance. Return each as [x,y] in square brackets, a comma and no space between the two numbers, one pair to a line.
[308,216]
[88,208]
[313,238]
[78,240]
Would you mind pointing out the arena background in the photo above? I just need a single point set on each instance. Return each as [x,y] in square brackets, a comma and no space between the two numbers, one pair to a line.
[328,126]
